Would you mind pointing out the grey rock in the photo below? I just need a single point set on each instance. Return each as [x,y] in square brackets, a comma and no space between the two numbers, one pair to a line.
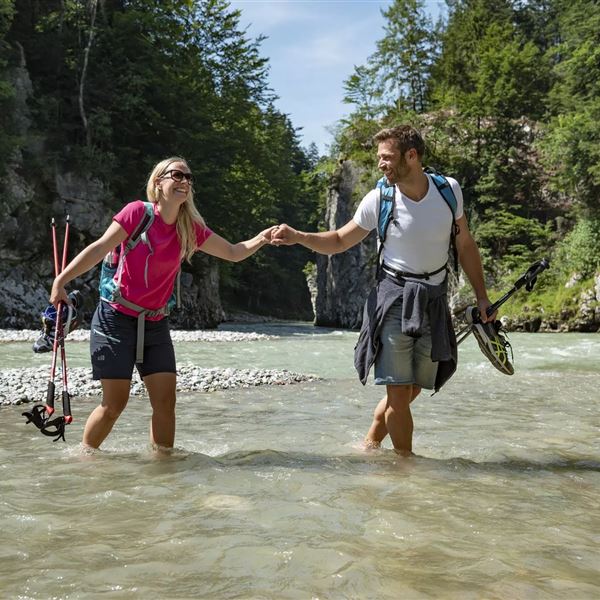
[343,280]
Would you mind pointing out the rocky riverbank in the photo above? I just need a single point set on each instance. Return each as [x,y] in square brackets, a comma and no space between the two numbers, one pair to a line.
[22,385]
[199,335]
[19,386]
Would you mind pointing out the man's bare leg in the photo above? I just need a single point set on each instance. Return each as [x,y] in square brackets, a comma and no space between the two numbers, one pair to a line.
[398,418]
[378,429]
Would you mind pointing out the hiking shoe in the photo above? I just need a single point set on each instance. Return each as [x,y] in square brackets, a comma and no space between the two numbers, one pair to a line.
[44,343]
[70,318]
[494,345]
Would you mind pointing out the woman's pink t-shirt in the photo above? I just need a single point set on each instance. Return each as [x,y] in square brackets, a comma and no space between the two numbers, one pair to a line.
[163,260]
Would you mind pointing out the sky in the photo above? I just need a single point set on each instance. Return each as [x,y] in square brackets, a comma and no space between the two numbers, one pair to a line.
[313,47]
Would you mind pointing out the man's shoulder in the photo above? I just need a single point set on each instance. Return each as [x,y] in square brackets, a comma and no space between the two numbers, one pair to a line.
[372,195]
[452,181]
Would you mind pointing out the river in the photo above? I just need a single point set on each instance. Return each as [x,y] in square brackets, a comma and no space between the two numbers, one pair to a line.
[268,494]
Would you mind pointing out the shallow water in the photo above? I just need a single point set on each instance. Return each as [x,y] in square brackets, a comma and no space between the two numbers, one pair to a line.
[268,495]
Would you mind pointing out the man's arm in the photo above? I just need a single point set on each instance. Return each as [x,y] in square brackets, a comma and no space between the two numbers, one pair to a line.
[327,242]
[470,261]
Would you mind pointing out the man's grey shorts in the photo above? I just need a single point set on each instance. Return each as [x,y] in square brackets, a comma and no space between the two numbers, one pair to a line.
[403,360]
[113,340]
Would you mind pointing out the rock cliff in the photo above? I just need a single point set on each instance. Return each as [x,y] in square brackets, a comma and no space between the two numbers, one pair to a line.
[343,280]
[32,197]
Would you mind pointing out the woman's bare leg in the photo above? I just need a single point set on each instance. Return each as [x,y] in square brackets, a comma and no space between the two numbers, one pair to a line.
[161,389]
[115,394]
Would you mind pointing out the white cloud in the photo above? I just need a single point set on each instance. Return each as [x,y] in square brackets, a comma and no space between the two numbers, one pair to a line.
[264,15]
[347,46]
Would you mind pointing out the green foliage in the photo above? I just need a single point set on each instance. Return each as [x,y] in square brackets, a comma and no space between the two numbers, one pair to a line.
[405,54]
[571,147]
[397,73]
[549,299]
[579,252]
[512,112]
[516,240]
[8,135]
[120,88]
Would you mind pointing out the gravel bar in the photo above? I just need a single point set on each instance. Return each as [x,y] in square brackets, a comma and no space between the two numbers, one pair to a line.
[18,386]
[177,335]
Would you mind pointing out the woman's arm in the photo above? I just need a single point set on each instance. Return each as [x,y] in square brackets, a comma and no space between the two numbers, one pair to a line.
[217,246]
[86,259]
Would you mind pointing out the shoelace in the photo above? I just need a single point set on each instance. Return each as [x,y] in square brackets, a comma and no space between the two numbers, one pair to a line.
[503,337]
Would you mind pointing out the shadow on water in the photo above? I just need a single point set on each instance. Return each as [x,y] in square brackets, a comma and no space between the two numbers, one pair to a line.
[301,459]
[182,460]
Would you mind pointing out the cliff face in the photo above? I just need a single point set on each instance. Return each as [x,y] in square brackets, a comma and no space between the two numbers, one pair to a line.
[343,280]
[28,204]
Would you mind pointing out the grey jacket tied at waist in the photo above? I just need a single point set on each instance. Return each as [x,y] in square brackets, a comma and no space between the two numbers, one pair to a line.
[416,298]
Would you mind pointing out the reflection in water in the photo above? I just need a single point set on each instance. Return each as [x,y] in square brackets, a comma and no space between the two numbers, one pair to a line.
[267,495]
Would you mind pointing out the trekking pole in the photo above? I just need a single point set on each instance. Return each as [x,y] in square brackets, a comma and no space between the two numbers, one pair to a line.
[40,415]
[66,398]
[528,279]
[56,427]
[51,386]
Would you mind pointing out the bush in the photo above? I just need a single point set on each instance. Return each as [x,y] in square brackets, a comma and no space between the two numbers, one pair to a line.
[579,252]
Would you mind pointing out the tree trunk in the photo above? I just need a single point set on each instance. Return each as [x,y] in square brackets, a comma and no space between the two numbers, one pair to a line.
[86,55]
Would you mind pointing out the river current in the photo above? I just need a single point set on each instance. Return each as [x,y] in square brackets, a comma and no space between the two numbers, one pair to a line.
[268,494]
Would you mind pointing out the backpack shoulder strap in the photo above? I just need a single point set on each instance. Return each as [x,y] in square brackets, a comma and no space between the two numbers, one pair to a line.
[444,188]
[142,227]
[387,195]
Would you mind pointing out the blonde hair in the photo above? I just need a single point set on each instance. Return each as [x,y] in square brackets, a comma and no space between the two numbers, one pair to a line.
[188,213]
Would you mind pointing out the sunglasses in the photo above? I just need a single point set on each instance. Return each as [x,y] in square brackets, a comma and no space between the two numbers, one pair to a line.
[178,176]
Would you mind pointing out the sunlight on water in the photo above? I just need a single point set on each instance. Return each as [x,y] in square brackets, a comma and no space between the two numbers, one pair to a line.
[268,496]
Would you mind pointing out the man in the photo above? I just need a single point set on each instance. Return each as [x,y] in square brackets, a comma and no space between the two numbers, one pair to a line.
[406,330]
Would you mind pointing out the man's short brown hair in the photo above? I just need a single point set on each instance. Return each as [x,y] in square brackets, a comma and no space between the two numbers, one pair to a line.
[405,136]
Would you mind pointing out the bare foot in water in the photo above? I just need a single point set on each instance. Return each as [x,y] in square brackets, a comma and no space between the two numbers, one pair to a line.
[404,453]
[370,445]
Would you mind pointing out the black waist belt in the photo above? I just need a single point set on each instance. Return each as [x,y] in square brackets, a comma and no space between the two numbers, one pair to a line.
[404,274]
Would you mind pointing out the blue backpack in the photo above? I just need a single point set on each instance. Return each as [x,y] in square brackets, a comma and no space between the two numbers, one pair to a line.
[387,196]
[112,267]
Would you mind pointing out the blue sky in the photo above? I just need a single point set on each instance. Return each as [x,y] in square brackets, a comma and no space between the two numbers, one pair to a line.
[312,47]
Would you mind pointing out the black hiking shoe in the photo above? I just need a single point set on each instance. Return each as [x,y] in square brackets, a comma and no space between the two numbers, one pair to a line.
[70,318]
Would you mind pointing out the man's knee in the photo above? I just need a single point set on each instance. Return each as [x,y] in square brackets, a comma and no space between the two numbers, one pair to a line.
[399,397]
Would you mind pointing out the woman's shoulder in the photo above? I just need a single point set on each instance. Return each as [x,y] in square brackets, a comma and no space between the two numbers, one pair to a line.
[130,215]
[135,207]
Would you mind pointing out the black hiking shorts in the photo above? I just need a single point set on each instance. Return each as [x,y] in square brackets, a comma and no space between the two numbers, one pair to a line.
[113,338]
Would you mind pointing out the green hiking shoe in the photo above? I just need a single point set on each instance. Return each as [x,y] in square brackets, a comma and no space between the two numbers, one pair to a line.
[494,345]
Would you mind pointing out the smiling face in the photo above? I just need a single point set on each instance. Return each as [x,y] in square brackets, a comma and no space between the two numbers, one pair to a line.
[391,162]
[175,184]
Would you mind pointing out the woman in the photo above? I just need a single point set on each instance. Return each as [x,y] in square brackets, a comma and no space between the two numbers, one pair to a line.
[147,280]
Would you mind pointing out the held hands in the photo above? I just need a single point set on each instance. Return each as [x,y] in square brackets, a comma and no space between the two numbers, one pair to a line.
[267,234]
[284,235]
